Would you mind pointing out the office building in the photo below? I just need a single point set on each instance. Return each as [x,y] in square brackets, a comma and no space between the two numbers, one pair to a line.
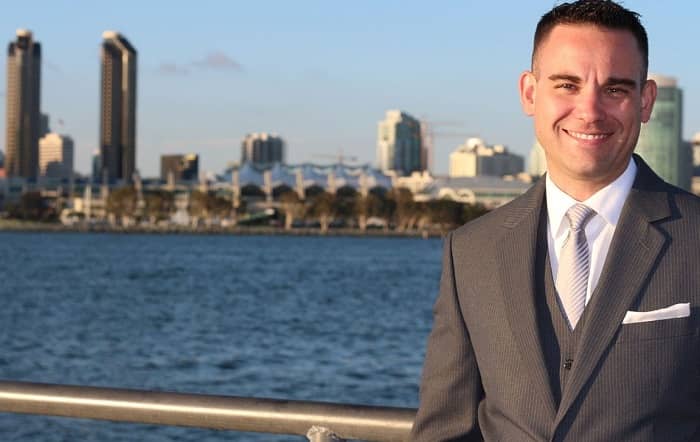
[695,150]
[179,167]
[399,144]
[262,149]
[56,156]
[475,158]
[118,108]
[44,127]
[23,123]
[95,168]
[660,140]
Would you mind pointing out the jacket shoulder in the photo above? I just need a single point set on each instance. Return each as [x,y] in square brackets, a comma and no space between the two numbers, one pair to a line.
[500,220]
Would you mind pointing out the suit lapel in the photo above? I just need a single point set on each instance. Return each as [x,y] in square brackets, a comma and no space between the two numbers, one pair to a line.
[633,254]
[516,252]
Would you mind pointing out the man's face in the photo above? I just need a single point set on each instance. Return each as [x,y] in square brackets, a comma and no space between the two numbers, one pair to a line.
[588,99]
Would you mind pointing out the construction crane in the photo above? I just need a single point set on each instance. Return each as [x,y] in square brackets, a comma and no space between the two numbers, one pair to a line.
[428,134]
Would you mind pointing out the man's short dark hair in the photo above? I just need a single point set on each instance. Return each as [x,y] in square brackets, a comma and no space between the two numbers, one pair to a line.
[604,13]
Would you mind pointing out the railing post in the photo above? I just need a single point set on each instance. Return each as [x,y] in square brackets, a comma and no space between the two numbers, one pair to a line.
[322,434]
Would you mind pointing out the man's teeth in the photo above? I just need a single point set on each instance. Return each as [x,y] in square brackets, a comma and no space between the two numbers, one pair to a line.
[583,136]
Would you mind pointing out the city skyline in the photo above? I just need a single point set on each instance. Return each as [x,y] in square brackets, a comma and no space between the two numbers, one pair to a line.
[319,75]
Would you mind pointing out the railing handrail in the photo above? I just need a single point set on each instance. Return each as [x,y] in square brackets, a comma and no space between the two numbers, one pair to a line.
[370,423]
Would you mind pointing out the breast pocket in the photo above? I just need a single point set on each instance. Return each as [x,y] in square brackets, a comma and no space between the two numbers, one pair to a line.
[661,329]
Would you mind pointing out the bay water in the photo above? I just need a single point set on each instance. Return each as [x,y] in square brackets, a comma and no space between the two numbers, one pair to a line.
[339,319]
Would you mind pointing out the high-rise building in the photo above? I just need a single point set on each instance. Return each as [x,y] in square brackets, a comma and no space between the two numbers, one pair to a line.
[23,104]
[44,127]
[180,167]
[660,140]
[695,147]
[95,167]
[399,144]
[262,149]
[56,156]
[475,158]
[427,148]
[118,108]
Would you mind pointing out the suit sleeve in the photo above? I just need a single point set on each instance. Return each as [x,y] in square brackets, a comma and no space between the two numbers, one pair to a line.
[450,390]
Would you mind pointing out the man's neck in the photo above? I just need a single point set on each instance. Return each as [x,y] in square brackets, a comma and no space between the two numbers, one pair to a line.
[581,190]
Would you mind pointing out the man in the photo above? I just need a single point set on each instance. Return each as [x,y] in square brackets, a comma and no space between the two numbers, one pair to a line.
[573,313]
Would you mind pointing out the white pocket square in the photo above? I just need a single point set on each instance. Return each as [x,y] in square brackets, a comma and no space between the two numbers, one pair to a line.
[672,312]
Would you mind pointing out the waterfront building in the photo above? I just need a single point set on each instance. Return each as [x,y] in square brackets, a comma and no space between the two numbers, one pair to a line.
[660,140]
[303,177]
[262,149]
[489,191]
[415,182]
[475,158]
[399,144]
[23,104]
[56,156]
[179,167]
[118,108]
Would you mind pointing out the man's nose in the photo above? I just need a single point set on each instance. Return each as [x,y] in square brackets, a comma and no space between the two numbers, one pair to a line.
[589,106]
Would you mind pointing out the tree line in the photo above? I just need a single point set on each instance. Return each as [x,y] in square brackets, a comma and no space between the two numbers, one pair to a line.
[393,209]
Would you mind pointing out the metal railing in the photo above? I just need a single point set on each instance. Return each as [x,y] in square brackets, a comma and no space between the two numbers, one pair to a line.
[318,421]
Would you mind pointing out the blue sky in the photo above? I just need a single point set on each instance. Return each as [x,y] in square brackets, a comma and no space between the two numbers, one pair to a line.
[318,73]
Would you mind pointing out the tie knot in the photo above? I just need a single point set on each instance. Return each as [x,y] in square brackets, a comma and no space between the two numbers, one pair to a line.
[578,215]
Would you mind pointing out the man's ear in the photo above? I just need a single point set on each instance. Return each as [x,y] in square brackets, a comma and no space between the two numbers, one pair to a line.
[648,99]
[527,85]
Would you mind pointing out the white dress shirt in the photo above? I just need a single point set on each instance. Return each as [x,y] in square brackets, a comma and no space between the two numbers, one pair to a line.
[607,203]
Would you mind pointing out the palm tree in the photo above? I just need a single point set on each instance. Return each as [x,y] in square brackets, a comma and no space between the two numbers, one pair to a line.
[292,207]
[122,203]
[321,207]
[159,204]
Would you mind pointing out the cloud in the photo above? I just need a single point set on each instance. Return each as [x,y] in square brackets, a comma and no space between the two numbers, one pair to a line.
[167,68]
[218,61]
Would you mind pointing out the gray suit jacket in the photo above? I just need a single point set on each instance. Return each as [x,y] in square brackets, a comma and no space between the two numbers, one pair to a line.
[485,377]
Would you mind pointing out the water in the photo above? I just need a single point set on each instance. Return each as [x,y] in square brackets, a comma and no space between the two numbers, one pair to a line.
[308,318]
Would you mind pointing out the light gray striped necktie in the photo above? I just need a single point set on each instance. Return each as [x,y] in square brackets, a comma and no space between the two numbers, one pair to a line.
[572,276]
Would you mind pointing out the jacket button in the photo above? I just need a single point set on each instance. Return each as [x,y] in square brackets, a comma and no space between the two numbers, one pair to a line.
[568,363]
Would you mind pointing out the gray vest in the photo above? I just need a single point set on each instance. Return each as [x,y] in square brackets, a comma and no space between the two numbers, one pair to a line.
[559,343]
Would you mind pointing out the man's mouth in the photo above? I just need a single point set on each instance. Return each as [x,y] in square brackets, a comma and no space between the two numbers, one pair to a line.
[587,136]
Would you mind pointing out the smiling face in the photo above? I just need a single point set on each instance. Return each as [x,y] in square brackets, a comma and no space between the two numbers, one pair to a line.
[588,99]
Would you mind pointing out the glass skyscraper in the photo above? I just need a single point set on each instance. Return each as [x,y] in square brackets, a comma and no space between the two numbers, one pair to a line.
[118,109]
[399,143]
[23,100]
[660,140]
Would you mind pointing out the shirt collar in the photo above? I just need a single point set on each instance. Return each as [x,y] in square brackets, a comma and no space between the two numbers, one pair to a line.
[607,202]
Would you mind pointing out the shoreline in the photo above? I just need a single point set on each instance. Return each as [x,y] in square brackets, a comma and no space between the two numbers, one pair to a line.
[29,226]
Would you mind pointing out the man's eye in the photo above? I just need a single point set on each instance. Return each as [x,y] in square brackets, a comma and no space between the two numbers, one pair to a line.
[616,91]
[566,86]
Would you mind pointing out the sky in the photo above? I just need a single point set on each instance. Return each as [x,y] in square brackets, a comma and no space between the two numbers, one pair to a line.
[320,74]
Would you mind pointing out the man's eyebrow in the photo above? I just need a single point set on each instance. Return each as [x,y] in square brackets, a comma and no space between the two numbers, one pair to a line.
[621,81]
[566,77]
